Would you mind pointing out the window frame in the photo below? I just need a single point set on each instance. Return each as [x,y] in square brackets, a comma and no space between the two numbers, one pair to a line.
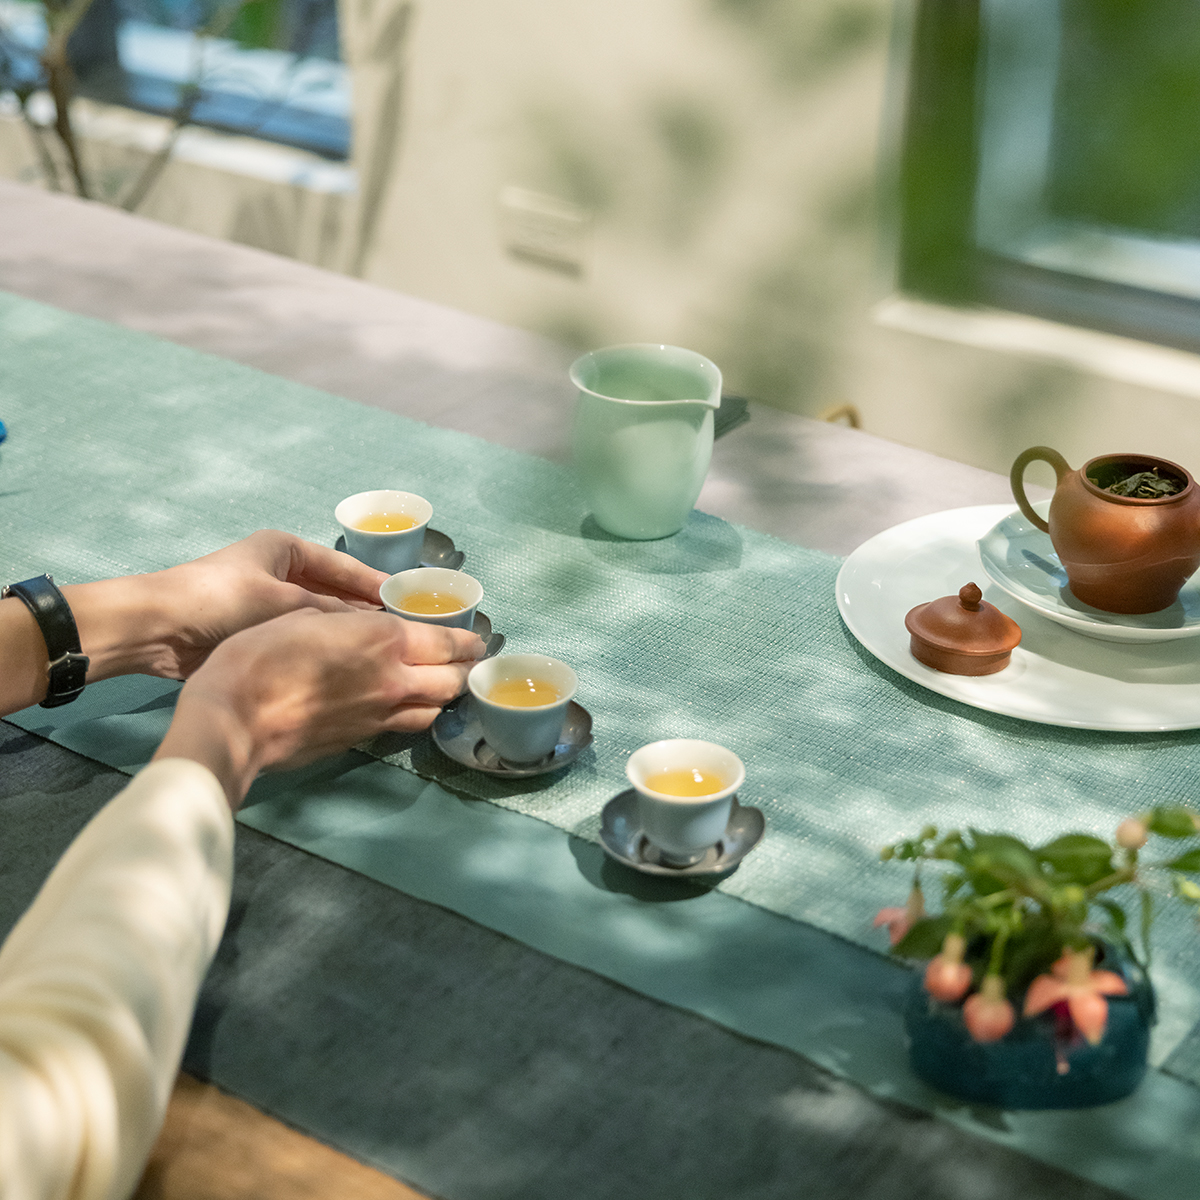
[938,258]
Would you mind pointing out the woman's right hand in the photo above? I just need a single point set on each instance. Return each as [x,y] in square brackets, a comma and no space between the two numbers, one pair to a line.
[310,684]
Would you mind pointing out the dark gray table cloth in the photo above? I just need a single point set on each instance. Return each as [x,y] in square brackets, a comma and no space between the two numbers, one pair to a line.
[367,1018]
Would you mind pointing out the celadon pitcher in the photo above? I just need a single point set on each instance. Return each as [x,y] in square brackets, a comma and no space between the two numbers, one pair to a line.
[643,435]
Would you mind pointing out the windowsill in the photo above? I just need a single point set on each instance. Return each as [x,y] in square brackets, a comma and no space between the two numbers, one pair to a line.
[235,154]
[1125,359]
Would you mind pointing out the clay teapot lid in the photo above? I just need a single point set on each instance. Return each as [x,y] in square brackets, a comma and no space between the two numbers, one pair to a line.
[964,624]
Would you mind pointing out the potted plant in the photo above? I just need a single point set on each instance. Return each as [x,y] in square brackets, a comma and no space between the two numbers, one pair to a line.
[1034,995]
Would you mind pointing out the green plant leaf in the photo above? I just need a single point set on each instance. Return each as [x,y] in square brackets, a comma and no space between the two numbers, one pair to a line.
[1118,915]
[258,24]
[1187,890]
[1031,954]
[1186,862]
[1147,924]
[1009,854]
[1173,821]
[983,882]
[924,939]
[1078,857]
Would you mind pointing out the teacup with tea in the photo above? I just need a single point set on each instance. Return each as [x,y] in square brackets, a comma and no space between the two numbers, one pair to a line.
[384,528]
[685,793]
[433,595]
[521,701]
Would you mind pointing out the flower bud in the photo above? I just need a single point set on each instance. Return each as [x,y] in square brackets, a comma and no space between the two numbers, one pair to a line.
[987,1015]
[1131,833]
[948,978]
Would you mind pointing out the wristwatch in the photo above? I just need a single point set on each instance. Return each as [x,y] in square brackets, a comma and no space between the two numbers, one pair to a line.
[67,669]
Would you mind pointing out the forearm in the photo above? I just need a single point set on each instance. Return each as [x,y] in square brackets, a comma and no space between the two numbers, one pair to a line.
[23,657]
[212,734]
[123,629]
[98,981]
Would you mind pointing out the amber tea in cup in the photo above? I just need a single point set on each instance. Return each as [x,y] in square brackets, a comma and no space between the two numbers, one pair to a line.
[428,603]
[384,522]
[686,781]
[524,693]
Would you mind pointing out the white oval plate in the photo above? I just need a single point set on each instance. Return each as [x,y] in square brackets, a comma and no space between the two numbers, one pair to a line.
[1020,559]
[1056,676]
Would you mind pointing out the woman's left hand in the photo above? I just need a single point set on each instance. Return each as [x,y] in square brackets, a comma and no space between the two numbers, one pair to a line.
[168,622]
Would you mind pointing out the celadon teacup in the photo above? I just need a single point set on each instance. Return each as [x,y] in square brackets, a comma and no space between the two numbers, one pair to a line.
[643,435]
[684,827]
[395,551]
[441,580]
[526,733]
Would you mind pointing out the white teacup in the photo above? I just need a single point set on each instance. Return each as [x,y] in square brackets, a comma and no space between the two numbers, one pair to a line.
[684,827]
[457,585]
[521,733]
[393,550]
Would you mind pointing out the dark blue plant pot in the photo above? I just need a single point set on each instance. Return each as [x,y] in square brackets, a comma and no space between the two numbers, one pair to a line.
[1020,1071]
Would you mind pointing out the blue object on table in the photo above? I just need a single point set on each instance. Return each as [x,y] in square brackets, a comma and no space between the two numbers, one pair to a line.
[3,431]
[1021,1071]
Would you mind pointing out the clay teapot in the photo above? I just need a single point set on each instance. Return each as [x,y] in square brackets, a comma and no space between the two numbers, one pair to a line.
[1122,554]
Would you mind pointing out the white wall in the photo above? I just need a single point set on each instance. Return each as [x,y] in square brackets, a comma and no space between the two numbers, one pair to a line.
[696,171]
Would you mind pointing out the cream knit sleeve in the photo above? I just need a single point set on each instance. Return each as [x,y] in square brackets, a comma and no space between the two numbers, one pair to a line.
[97,984]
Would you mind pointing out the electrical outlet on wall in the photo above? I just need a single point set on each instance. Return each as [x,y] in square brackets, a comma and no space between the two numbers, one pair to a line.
[544,230]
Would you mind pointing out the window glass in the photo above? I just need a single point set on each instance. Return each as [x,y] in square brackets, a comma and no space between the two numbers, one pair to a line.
[1090,144]
[268,68]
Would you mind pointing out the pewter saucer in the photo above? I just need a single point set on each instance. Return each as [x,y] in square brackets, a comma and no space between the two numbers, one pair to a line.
[482,627]
[438,550]
[622,838]
[458,734]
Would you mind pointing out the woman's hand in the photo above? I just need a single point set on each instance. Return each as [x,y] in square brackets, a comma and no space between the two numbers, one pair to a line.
[310,684]
[167,623]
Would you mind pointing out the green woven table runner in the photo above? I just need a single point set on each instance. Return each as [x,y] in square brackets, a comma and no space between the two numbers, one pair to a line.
[128,454]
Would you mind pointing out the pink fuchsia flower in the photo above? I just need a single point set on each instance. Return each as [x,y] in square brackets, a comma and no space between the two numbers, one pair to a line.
[1072,983]
[948,978]
[900,920]
[988,1015]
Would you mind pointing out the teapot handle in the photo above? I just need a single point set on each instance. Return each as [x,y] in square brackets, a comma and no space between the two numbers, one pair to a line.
[1017,478]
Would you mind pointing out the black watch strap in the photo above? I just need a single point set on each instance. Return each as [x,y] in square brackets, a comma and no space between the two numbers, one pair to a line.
[67,669]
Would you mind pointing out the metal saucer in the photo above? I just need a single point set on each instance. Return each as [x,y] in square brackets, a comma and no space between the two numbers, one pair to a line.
[458,734]
[482,627]
[438,550]
[622,838]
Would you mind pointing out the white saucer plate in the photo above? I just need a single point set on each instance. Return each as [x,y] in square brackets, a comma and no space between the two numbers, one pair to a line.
[1019,558]
[1056,677]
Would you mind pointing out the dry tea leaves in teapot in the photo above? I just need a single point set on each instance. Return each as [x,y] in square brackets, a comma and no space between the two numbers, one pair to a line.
[1143,485]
